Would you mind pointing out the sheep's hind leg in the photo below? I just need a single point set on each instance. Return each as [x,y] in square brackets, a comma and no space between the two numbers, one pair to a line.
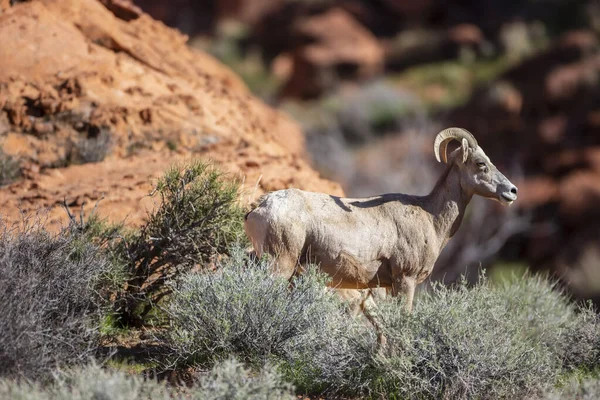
[369,309]
[285,265]
[405,287]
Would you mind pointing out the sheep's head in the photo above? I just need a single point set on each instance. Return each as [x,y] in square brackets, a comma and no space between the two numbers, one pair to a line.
[478,174]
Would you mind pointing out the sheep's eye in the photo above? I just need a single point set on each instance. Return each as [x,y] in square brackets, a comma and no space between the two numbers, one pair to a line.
[481,164]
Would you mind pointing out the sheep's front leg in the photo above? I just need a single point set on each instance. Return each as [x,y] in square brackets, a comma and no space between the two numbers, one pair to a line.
[405,287]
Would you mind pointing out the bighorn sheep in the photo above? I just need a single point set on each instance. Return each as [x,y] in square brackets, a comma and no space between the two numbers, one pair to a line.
[389,241]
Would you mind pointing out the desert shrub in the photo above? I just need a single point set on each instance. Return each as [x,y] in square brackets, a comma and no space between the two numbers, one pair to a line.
[51,303]
[10,169]
[110,237]
[93,149]
[581,349]
[484,342]
[587,389]
[87,383]
[197,218]
[246,311]
[547,315]
[230,380]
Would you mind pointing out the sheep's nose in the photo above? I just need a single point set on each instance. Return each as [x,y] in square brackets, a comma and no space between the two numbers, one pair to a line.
[514,190]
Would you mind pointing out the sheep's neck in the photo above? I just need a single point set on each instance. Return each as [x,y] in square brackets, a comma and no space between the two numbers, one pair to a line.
[448,202]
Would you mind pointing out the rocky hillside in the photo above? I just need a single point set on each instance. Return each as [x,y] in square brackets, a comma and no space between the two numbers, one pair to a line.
[97,99]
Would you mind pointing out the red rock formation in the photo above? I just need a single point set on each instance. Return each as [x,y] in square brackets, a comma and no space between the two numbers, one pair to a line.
[74,69]
[334,48]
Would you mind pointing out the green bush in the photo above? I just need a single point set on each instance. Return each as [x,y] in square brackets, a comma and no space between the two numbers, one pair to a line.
[246,311]
[50,292]
[485,342]
[197,218]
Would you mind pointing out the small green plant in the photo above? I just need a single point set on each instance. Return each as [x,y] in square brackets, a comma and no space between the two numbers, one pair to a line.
[171,145]
[111,239]
[93,149]
[10,169]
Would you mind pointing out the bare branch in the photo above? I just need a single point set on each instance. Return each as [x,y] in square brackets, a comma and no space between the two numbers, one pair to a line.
[81,216]
[66,207]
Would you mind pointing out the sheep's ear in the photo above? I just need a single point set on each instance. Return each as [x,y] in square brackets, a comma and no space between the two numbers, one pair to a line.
[465,150]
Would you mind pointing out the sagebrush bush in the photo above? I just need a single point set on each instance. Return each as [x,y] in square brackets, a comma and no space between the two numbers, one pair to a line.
[10,169]
[246,311]
[229,380]
[51,304]
[581,347]
[569,331]
[505,341]
[587,389]
[197,217]
[93,149]
[86,383]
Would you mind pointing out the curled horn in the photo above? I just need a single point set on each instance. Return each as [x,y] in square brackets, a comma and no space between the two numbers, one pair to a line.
[446,136]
